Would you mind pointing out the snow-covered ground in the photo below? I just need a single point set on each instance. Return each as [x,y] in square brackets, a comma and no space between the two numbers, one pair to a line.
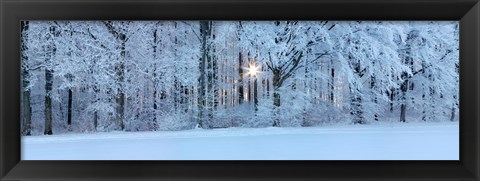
[411,141]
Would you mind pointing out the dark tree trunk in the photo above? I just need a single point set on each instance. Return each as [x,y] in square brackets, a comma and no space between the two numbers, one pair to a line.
[95,120]
[263,86]
[375,100]
[268,87]
[120,97]
[424,111]
[155,82]
[176,93]
[276,99]
[276,85]
[51,49]
[215,81]
[155,102]
[27,109]
[403,106]
[184,98]
[249,91]
[372,86]
[433,109]
[392,98]
[48,101]
[69,110]
[332,87]
[233,96]
[225,91]
[96,91]
[276,103]
[205,32]
[255,99]
[120,100]
[240,79]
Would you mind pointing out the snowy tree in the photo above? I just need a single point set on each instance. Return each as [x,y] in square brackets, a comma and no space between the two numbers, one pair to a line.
[283,45]
[81,76]
[431,52]
[26,104]
[46,49]
[207,67]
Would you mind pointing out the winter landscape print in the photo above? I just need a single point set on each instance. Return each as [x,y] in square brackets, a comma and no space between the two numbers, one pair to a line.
[240,90]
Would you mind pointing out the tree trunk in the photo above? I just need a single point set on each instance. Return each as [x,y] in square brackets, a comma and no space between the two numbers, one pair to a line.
[155,82]
[332,87]
[392,97]
[96,99]
[69,110]
[120,76]
[27,108]
[276,86]
[249,91]
[120,97]
[268,88]
[120,100]
[176,93]
[306,92]
[184,98]
[276,97]
[95,120]
[433,110]
[48,101]
[155,104]
[215,81]
[403,108]
[51,50]
[177,87]
[205,32]
[212,77]
[276,103]
[255,96]
[424,111]
[357,111]
[452,115]
[240,78]
[373,82]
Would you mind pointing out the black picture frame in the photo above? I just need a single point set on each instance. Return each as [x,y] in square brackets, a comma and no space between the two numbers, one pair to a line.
[465,11]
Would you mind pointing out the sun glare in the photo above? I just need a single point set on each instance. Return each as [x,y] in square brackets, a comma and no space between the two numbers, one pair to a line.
[253,70]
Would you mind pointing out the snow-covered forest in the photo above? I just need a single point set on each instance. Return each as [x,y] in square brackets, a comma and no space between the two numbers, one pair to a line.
[101,76]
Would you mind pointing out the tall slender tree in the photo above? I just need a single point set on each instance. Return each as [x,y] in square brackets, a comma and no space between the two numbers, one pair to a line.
[120,36]
[50,50]
[27,109]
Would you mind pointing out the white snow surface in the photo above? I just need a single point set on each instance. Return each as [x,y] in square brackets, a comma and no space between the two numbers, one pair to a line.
[411,141]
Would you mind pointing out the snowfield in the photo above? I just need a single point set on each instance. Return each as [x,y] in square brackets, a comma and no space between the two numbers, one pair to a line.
[411,141]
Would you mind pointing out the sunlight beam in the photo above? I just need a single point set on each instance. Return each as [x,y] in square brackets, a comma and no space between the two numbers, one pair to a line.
[253,70]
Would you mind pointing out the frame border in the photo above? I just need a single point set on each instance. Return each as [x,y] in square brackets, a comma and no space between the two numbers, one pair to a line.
[467,12]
